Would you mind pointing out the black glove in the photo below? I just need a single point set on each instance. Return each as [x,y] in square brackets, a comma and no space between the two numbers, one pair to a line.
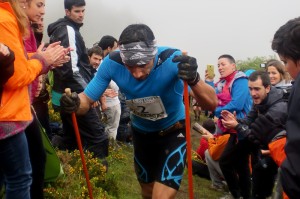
[70,103]
[264,129]
[187,69]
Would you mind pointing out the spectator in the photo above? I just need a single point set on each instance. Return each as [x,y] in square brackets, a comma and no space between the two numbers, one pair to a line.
[38,29]
[95,56]
[34,9]
[200,165]
[278,76]
[196,109]
[233,95]
[75,75]
[286,44]
[15,114]
[267,103]
[280,79]
[108,44]
[216,145]
[110,106]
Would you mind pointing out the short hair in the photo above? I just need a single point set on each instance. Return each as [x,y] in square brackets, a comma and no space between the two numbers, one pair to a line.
[70,3]
[136,33]
[286,40]
[263,75]
[209,125]
[229,57]
[107,41]
[95,50]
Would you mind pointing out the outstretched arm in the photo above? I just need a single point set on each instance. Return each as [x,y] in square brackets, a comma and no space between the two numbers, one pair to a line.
[85,104]
[205,95]
[202,92]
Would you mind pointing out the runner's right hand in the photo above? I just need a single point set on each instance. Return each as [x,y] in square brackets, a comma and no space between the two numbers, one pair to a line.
[69,103]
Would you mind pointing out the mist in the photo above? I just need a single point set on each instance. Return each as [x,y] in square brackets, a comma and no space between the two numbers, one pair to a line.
[205,29]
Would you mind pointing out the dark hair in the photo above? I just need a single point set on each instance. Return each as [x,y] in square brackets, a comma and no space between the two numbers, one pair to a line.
[264,76]
[95,50]
[286,40]
[209,125]
[229,57]
[107,41]
[70,3]
[136,33]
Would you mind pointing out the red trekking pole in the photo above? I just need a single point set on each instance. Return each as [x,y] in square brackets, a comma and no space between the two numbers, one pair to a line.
[74,120]
[188,137]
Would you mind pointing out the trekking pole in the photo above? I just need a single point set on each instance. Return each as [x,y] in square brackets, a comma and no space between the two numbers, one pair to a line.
[188,136]
[74,120]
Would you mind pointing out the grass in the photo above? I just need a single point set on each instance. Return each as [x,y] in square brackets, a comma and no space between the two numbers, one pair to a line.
[120,181]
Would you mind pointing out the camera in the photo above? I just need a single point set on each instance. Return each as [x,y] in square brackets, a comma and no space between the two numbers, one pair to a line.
[263,65]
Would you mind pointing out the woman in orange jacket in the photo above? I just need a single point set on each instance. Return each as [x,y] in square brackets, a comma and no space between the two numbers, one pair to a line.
[15,114]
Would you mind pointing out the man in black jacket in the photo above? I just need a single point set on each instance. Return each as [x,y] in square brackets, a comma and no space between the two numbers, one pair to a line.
[268,103]
[286,43]
[75,75]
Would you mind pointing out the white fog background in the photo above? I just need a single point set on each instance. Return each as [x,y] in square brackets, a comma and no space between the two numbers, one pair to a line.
[203,28]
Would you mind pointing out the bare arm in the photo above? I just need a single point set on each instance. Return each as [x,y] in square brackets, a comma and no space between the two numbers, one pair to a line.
[205,95]
[85,104]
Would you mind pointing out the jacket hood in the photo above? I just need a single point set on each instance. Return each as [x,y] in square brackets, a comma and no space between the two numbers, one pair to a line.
[62,22]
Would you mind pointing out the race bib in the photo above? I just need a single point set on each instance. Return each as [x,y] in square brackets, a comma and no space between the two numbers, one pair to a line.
[149,108]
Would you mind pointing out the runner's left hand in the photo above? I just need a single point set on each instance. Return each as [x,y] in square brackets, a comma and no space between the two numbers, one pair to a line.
[187,69]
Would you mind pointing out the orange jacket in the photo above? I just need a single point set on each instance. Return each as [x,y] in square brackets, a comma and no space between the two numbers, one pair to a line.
[278,154]
[216,146]
[15,103]
[277,151]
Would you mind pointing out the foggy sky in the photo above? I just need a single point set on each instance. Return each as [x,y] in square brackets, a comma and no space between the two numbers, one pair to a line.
[203,28]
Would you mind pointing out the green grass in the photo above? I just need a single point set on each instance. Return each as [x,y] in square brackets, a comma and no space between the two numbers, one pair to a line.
[120,181]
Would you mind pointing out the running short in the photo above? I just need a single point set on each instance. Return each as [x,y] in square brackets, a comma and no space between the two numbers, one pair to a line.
[160,157]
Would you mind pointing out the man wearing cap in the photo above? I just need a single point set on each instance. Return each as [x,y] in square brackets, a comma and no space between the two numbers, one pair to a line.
[151,78]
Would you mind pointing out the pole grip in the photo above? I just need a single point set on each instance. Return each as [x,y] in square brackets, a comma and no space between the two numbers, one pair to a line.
[68,91]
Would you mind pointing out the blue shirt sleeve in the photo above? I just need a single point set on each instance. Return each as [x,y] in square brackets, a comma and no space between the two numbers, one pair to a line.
[211,83]
[239,96]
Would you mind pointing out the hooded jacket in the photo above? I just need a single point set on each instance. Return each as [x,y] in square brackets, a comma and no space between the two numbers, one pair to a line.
[76,73]
[274,105]
[290,174]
